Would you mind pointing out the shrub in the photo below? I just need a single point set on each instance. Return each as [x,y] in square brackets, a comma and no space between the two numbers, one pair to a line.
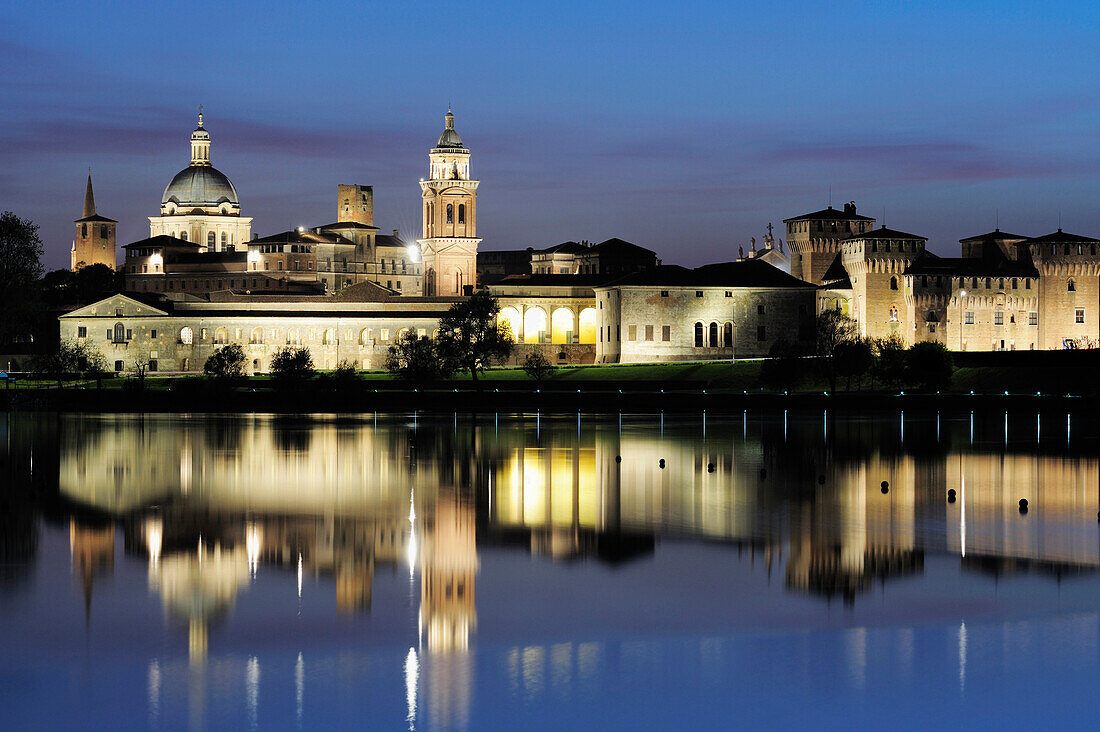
[226,363]
[853,358]
[930,365]
[537,366]
[292,363]
[784,367]
[415,358]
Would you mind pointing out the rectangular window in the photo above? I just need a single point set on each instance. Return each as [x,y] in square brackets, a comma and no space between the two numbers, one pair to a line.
[759,309]
[649,332]
[968,317]
[202,334]
[152,364]
[1027,286]
[761,334]
[664,293]
[153,333]
[118,365]
[1080,315]
[130,333]
[698,293]
[999,318]
[385,334]
[632,332]
[729,293]
[1033,318]
[666,333]
[82,332]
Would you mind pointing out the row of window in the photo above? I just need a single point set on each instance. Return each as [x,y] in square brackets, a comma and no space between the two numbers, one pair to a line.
[647,333]
[833,227]
[259,336]
[104,231]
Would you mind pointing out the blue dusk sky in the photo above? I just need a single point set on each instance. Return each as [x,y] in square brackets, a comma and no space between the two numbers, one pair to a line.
[685,127]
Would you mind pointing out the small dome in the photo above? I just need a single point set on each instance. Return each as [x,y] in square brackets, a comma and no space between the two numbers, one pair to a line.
[449,138]
[200,186]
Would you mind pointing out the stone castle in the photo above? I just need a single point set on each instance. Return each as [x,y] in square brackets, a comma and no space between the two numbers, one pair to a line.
[202,279]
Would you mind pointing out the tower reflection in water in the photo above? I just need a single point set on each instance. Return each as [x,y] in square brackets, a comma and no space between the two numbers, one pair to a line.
[833,504]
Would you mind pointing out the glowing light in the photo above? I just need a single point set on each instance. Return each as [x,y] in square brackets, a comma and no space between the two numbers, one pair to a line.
[253,539]
[299,575]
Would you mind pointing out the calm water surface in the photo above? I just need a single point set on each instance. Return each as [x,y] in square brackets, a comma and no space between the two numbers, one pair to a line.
[402,571]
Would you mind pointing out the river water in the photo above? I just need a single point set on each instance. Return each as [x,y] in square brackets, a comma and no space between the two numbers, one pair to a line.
[437,571]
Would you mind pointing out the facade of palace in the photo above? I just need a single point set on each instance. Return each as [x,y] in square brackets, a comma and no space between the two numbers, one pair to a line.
[346,291]
[1005,292]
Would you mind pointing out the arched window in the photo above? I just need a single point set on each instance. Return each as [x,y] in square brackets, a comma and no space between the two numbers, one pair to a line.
[183,235]
[103,231]
[450,213]
[257,336]
[84,230]
[220,336]
[713,335]
[120,333]
[187,336]
[211,240]
[462,213]
[698,335]
[329,337]
[893,283]
[727,335]
[366,336]
[893,314]
[1071,286]
[225,240]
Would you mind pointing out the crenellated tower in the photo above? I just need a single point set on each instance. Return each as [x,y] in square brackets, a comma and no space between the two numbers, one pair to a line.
[449,243]
[876,262]
[1069,287]
[814,239]
[94,241]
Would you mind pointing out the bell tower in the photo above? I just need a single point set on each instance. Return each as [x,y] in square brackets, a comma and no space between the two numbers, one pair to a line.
[94,241]
[449,243]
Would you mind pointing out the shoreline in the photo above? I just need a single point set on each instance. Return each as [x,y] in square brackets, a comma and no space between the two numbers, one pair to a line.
[496,398]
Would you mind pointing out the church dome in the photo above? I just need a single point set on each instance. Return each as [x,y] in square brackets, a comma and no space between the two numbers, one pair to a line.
[450,137]
[200,186]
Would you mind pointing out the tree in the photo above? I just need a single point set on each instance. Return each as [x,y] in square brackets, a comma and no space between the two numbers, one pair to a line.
[470,338]
[890,362]
[415,358]
[61,362]
[537,366]
[226,364]
[832,328]
[93,364]
[930,365]
[784,367]
[292,363]
[853,357]
[20,269]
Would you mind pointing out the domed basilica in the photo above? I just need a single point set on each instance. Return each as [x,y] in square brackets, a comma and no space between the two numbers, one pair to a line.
[200,204]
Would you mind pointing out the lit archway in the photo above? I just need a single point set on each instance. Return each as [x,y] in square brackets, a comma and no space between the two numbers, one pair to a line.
[534,325]
[561,326]
[510,317]
[588,325]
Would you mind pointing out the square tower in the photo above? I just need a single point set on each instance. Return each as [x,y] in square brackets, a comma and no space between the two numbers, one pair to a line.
[94,239]
[814,239]
[355,203]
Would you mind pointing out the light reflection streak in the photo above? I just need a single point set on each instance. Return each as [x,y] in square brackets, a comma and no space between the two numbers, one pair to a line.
[962,657]
[412,677]
[252,691]
[154,693]
[299,687]
[962,515]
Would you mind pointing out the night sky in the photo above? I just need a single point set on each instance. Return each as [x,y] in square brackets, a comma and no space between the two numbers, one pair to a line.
[685,127]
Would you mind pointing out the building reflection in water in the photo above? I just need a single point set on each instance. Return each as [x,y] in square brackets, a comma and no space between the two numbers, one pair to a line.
[840,505]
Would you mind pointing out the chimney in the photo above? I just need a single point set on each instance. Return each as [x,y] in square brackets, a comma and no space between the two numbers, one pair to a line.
[850,207]
[395,234]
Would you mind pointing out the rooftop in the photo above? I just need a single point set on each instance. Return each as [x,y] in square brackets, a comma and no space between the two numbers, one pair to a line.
[749,273]
[831,214]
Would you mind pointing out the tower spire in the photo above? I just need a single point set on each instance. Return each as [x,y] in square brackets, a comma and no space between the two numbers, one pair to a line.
[200,115]
[89,198]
